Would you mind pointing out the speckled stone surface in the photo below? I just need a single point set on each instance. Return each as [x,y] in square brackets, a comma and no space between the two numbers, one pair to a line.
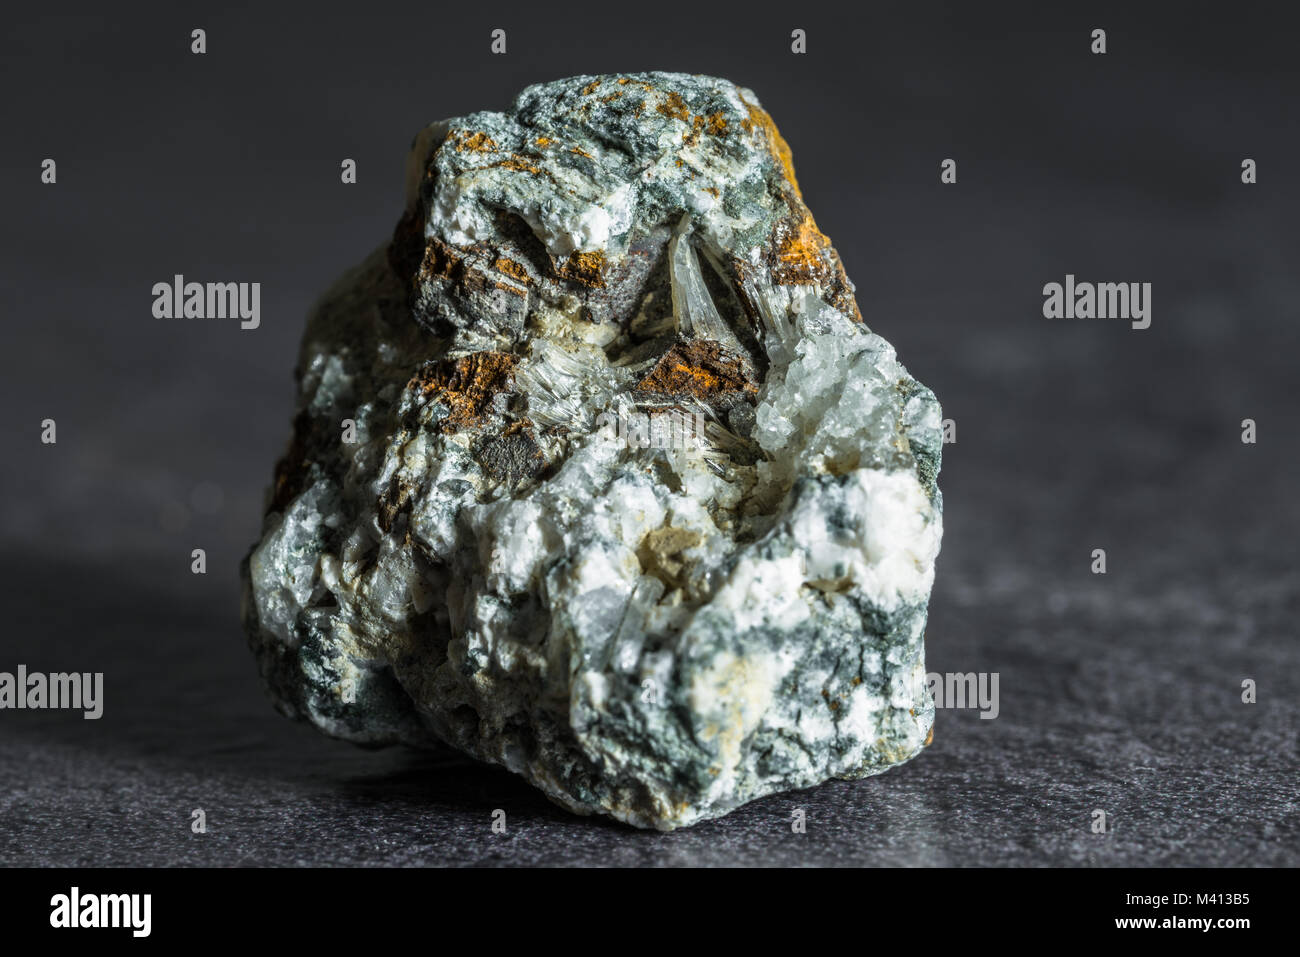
[634,502]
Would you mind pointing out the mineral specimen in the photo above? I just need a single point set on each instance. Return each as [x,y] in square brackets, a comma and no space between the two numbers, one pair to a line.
[499,525]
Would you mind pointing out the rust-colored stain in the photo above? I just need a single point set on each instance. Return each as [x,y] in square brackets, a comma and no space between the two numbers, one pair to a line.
[518,427]
[692,136]
[581,152]
[700,368]
[440,261]
[929,737]
[674,107]
[478,142]
[445,262]
[590,88]
[584,267]
[466,385]
[759,121]
[518,163]
[543,141]
[515,270]
[800,252]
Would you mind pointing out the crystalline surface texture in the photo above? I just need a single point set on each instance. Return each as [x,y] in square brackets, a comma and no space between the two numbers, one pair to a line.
[493,528]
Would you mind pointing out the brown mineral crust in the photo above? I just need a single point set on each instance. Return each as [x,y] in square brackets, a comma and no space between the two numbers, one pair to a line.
[450,263]
[622,283]
[478,142]
[517,427]
[520,164]
[674,107]
[586,268]
[466,385]
[798,252]
[609,289]
[698,368]
[801,255]
[515,270]
[761,123]
[441,261]
[714,124]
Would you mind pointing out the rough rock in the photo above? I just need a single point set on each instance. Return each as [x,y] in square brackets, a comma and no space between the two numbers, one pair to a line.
[636,504]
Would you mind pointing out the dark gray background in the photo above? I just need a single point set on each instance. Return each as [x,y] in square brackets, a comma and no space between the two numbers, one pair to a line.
[1118,692]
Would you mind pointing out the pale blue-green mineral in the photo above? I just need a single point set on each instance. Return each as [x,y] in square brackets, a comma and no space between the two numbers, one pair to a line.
[598,474]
